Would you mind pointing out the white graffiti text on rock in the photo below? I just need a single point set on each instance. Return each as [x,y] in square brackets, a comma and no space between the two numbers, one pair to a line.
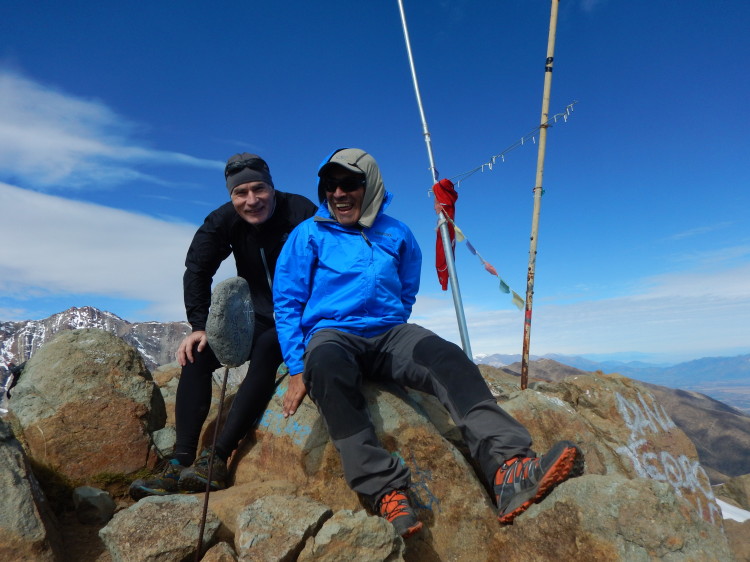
[644,419]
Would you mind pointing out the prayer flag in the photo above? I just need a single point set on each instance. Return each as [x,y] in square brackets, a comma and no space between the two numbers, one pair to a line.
[518,301]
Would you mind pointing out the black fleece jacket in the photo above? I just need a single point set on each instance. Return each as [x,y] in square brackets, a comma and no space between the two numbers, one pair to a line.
[255,252]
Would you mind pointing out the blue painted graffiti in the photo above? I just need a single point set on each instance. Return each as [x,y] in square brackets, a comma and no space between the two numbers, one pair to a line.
[279,425]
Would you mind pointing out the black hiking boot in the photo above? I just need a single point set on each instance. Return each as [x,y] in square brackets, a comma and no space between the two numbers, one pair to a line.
[194,479]
[162,483]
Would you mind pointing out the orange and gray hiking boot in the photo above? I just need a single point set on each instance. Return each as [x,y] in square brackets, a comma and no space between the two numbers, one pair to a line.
[521,482]
[163,483]
[395,508]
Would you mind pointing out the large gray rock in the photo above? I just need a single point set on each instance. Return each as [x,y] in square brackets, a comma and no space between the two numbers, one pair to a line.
[622,429]
[27,525]
[448,496]
[230,324]
[220,552]
[738,535]
[354,536]
[276,527]
[86,403]
[158,529]
[93,505]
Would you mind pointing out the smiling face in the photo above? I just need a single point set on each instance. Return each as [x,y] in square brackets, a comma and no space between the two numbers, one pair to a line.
[345,192]
[254,201]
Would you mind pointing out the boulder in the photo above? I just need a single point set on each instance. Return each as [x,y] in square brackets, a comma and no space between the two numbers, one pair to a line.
[738,535]
[623,431]
[27,525]
[354,536]
[621,428]
[164,441]
[158,528]
[231,324]
[597,518]
[220,552]
[447,495]
[87,404]
[229,503]
[276,527]
[93,505]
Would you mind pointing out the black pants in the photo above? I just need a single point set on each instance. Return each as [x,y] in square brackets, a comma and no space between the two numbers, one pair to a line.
[194,395]
[412,356]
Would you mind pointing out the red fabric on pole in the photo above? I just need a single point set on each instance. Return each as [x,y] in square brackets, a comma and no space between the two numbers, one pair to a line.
[445,200]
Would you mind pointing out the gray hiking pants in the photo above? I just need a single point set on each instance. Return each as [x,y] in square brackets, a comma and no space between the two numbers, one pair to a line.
[412,356]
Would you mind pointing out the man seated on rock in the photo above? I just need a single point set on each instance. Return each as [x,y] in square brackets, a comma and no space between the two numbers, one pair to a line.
[345,284]
[253,227]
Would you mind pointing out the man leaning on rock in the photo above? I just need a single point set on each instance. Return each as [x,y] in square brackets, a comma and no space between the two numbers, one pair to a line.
[253,227]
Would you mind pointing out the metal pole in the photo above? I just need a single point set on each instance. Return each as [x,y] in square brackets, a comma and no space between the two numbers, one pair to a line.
[538,192]
[442,224]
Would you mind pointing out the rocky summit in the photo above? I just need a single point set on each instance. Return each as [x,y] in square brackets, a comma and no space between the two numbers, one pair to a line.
[644,494]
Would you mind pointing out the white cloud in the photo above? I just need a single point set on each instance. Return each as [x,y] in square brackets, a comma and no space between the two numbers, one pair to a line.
[721,282]
[49,139]
[684,315]
[52,245]
[699,231]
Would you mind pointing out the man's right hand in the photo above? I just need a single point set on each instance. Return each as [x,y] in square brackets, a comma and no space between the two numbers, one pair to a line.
[295,393]
[185,351]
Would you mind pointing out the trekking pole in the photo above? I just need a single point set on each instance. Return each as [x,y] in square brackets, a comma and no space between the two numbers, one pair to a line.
[229,332]
[538,193]
[211,465]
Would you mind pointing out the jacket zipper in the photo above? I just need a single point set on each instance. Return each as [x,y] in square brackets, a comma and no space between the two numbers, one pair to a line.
[265,266]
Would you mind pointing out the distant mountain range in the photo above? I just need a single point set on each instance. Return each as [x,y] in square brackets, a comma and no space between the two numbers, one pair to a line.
[726,379]
[155,341]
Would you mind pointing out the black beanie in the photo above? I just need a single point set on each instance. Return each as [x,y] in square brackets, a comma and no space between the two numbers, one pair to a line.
[244,168]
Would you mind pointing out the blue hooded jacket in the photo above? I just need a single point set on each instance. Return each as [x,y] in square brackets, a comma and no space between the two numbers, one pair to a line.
[362,280]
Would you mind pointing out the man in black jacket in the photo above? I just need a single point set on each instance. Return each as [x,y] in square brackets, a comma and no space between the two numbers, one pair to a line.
[253,227]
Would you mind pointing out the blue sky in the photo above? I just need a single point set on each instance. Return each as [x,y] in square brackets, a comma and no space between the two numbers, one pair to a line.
[116,119]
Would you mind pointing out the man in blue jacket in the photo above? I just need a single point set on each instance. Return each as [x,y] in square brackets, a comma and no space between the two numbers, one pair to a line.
[345,284]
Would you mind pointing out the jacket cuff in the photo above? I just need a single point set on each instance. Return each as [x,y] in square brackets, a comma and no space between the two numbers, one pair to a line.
[295,367]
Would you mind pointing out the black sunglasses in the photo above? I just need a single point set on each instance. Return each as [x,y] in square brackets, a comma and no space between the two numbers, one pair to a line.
[252,163]
[347,184]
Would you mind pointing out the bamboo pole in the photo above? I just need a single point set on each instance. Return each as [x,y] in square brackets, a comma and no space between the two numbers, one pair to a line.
[442,223]
[538,193]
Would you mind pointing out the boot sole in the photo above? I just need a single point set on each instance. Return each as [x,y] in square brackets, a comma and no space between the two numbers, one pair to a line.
[569,464]
[138,492]
[196,484]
